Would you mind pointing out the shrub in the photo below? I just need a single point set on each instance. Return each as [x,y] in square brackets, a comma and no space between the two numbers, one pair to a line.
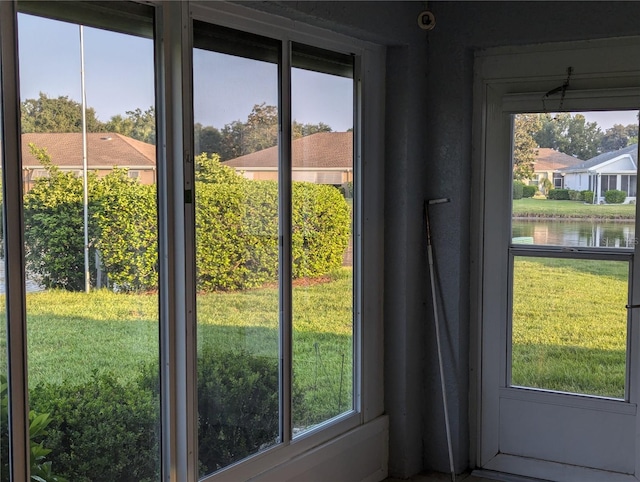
[41,469]
[558,194]
[101,430]
[236,229]
[614,196]
[321,229]
[54,227]
[220,251]
[529,191]
[126,217]
[518,187]
[237,232]
[238,408]
[574,195]
[586,196]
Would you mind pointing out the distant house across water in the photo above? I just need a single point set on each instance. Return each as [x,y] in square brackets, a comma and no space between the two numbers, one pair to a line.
[610,170]
[549,164]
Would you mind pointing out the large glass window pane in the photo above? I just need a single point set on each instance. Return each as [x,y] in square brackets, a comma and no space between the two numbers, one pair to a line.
[322,237]
[92,334]
[592,158]
[236,194]
[569,325]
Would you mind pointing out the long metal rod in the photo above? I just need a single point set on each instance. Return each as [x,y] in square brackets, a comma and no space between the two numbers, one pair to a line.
[85,181]
[436,320]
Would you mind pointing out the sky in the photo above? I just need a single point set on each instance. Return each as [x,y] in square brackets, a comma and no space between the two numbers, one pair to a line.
[119,78]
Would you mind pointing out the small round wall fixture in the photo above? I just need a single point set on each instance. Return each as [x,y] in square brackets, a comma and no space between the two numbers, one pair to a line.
[426,20]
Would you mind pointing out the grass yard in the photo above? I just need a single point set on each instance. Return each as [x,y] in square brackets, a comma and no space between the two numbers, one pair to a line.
[570,325]
[72,335]
[545,208]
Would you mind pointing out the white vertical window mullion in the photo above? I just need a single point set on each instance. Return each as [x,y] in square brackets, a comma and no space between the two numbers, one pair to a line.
[14,246]
[284,275]
[175,198]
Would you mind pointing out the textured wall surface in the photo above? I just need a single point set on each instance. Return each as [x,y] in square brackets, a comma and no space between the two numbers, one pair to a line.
[428,155]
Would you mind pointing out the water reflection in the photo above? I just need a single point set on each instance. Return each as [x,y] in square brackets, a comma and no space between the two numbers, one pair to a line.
[575,233]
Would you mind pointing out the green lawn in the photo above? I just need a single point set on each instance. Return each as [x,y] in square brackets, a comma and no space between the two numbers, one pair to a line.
[569,331]
[71,335]
[569,325]
[571,209]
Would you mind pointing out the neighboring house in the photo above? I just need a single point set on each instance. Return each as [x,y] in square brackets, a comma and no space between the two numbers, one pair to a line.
[548,164]
[322,158]
[104,151]
[611,170]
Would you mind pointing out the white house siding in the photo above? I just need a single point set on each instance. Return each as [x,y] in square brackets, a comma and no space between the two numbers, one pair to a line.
[623,164]
[573,181]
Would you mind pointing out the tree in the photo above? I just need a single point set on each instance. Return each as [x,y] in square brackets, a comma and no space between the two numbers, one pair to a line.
[614,138]
[138,124]
[260,131]
[524,145]
[570,134]
[261,128]
[552,131]
[585,138]
[632,132]
[302,130]
[207,139]
[232,142]
[61,114]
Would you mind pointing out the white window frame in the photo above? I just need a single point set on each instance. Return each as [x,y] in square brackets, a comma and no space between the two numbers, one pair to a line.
[360,435]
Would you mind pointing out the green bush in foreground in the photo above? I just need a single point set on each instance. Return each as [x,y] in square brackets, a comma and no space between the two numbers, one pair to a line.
[41,469]
[104,430]
[614,196]
[237,406]
[101,430]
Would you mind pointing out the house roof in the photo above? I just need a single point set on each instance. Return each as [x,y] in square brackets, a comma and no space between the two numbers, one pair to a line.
[320,150]
[104,150]
[631,151]
[551,160]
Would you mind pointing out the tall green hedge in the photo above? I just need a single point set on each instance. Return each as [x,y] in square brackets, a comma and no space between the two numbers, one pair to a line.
[54,227]
[320,232]
[236,229]
[127,239]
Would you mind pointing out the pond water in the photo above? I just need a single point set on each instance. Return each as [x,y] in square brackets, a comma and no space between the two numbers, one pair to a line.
[563,232]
